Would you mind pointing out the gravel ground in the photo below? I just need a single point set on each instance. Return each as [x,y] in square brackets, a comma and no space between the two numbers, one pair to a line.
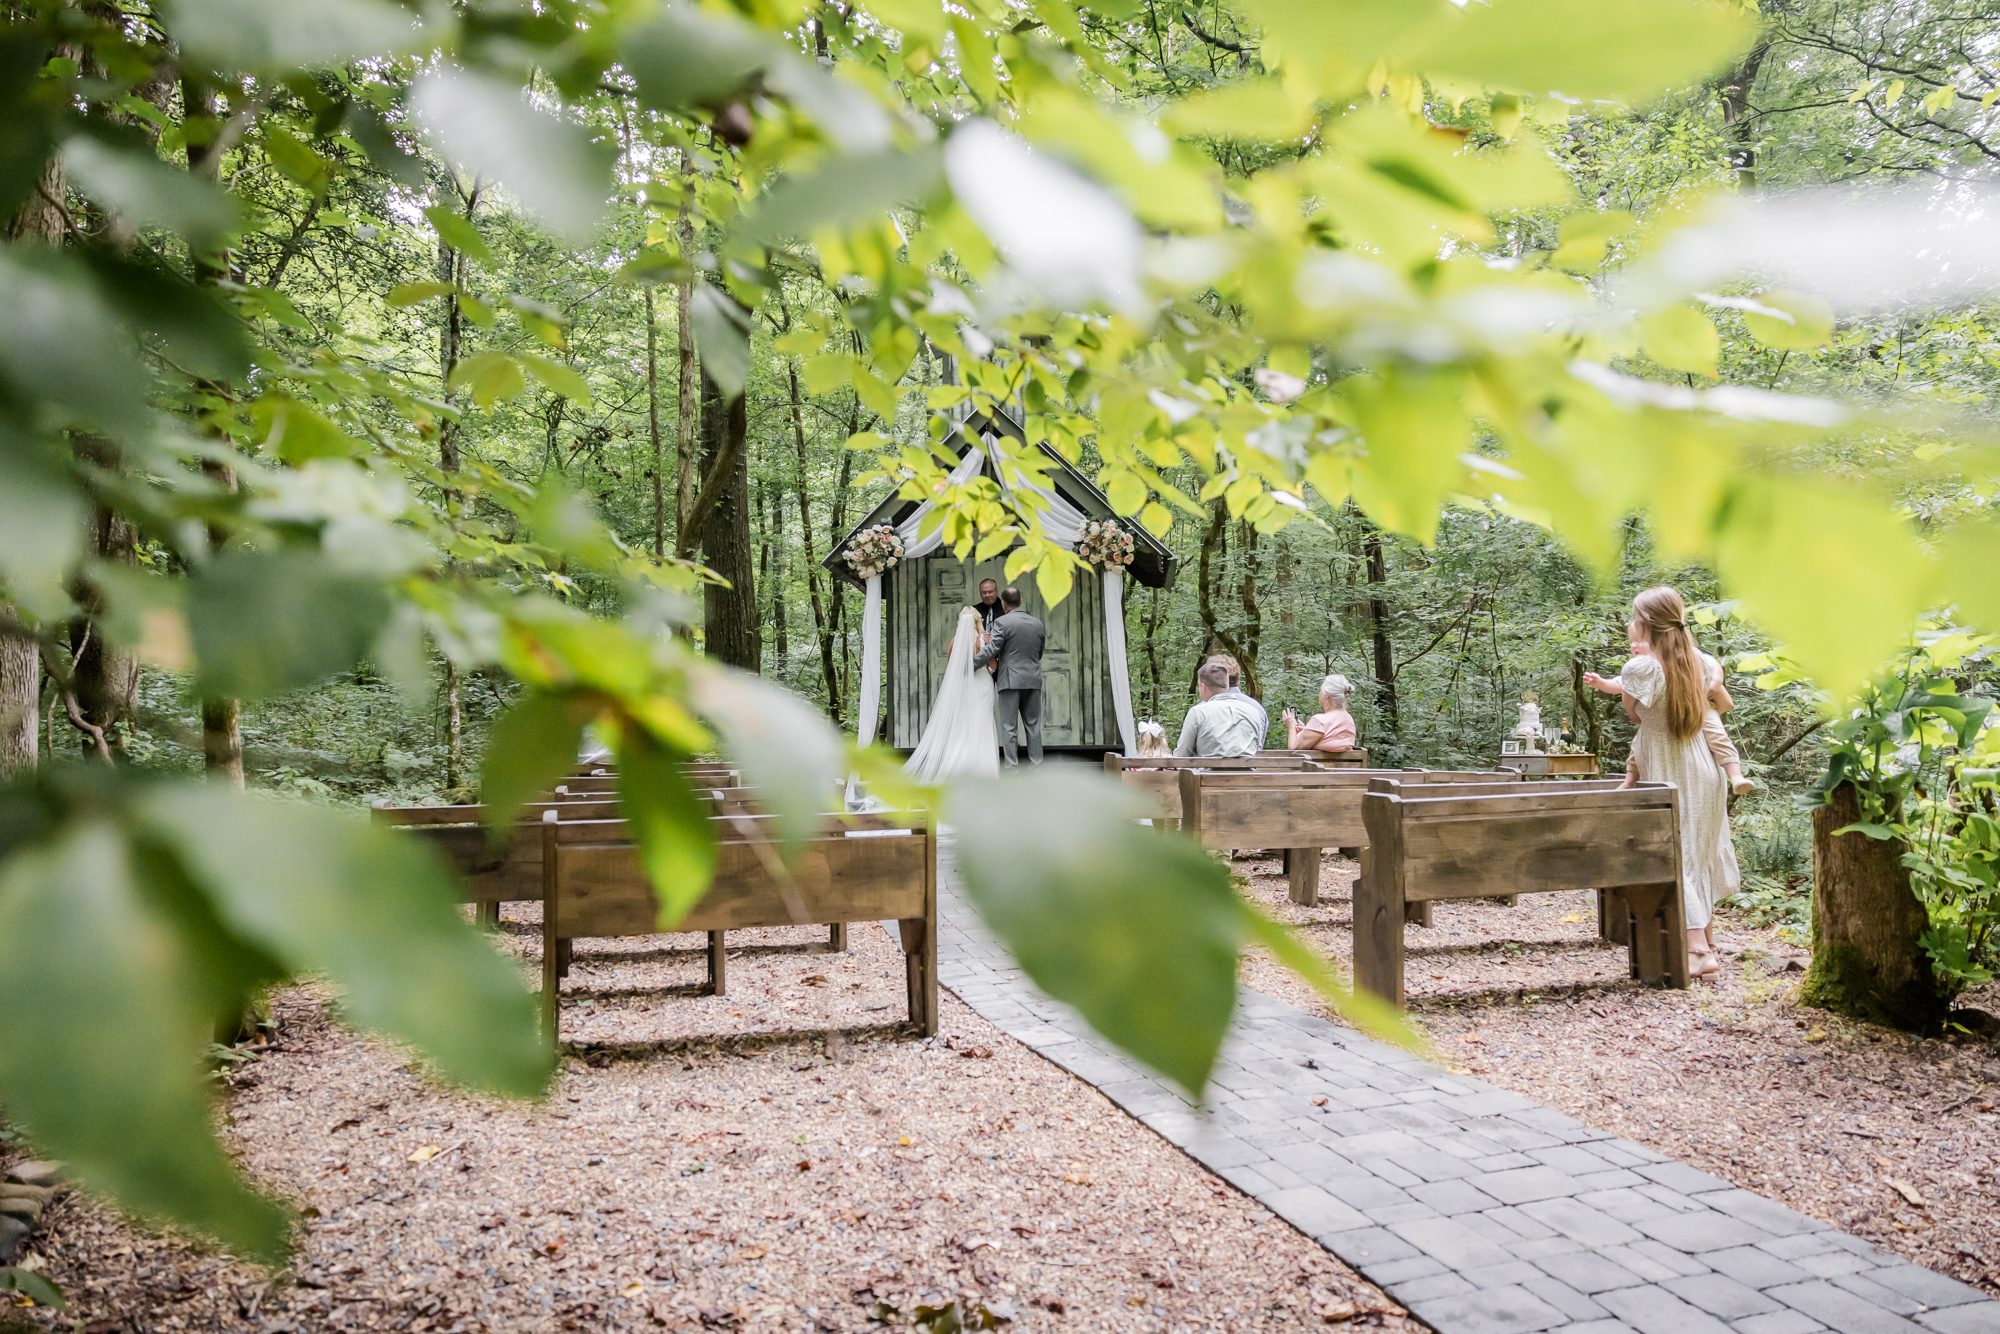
[810,1170]
[1889,1137]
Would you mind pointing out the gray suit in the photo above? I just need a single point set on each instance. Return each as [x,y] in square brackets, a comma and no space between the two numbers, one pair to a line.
[1016,646]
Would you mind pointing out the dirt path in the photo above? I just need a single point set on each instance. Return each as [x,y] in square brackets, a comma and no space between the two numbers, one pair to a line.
[762,1181]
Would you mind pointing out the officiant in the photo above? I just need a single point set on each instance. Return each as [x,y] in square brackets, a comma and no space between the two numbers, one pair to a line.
[988,605]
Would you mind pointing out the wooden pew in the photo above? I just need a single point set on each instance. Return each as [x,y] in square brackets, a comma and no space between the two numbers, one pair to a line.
[856,868]
[1302,811]
[1353,758]
[1429,842]
[1158,777]
[603,782]
[493,871]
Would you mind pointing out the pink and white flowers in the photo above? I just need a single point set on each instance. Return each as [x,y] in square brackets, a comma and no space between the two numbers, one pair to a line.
[1104,544]
[874,551]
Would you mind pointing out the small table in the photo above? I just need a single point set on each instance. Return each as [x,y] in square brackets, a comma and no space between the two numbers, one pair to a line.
[1552,766]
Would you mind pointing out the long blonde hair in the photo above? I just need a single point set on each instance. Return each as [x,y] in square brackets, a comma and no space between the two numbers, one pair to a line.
[1663,616]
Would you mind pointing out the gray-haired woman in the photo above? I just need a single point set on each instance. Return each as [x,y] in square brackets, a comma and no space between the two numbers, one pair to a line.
[1332,728]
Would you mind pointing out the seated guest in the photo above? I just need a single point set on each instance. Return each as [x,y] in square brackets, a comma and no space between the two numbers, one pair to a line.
[1152,741]
[1332,728]
[1227,724]
[1235,670]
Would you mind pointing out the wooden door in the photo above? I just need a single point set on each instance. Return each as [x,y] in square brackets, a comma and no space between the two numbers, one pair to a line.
[954,585]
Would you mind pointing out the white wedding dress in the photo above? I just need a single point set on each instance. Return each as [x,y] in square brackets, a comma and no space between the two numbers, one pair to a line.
[961,740]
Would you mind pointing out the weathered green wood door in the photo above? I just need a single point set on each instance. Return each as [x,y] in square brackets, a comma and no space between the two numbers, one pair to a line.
[954,585]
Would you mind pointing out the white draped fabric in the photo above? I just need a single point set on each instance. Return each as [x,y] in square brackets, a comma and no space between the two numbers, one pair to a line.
[1061,521]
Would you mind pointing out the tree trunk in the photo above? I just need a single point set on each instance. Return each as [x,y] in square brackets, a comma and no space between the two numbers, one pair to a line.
[1253,615]
[729,611]
[823,624]
[687,425]
[1735,106]
[451,347]
[1214,552]
[40,219]
[105,676]
[1378,629]
[653,429]
[221,718]
[774,583]
[1867,924]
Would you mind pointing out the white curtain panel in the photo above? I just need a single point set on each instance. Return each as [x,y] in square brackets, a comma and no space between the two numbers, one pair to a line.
[1114,651]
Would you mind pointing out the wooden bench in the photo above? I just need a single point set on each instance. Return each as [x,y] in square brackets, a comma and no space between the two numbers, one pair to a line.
[858,868]
[1158,776]
[1302,811]
[603,782]
[1430,842]
[1355,757]
[492,870]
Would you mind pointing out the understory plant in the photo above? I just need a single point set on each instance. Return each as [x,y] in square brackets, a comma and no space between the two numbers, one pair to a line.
[1921,749]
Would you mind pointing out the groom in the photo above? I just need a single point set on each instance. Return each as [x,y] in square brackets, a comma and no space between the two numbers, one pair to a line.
[1015,648]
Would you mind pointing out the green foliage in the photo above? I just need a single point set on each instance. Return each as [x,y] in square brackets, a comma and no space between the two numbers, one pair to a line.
[294,381]
[1921,751]
[134,915]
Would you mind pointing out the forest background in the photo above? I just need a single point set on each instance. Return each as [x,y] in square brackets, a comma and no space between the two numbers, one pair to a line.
[352,443]
[1441,640]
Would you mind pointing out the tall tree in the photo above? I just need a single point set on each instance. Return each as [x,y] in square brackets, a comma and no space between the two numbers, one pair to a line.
[451,270]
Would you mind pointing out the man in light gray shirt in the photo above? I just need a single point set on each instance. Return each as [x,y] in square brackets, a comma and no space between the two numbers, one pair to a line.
[1227,724]
[1235,691]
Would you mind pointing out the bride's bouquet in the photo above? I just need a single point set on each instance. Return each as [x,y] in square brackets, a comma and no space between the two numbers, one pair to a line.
[1105,545]
[874,551]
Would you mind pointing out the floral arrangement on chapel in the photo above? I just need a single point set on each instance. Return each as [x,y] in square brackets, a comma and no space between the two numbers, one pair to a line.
[1105,544]
[873,551]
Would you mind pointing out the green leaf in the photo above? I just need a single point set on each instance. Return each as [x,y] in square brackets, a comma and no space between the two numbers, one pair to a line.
[1802,323]
[267,622]
[1615,50]
[1681,338]
[102,1061]
[530,748]
[374,910]
[722,336]
[828,371]
[684,57]
[1125,491]
[1260,110]
[297,160]
[1370,1014]
[846,189]
[553,166]
[409,294]
[80,355]
[921,20]
[556,377]
[784,746]
[1415,428]
[33,1285]
[42,523]
[457,231]
[127,178]
[491,377]
[674,835]
[257,35]
[1137,930]
[1829,570]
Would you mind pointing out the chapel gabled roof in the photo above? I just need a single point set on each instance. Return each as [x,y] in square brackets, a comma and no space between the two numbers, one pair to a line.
[1153,562]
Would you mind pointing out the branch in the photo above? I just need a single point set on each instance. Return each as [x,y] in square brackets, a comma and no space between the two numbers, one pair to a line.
[1223,43]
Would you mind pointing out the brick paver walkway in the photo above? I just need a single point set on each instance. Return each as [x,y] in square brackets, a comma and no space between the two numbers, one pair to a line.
[1481,1211]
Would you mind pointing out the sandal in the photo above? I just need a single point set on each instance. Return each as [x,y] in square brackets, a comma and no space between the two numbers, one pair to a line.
[1703,963]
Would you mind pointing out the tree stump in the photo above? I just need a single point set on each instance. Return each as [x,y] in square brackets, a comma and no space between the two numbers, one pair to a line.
[1867,925]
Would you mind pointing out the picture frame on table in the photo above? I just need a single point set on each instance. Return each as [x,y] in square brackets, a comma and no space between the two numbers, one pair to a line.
[1511,746]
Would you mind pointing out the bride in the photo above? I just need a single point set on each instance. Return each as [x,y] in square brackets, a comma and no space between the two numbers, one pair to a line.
[960,740]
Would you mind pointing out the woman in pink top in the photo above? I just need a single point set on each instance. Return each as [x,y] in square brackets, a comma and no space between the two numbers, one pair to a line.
[1332,728]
